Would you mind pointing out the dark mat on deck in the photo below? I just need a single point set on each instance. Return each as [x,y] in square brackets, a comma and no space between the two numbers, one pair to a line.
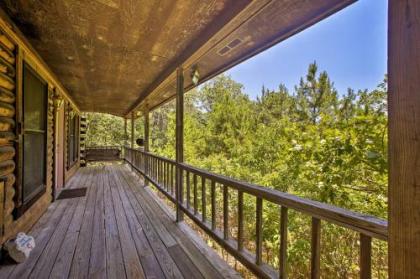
[72,193]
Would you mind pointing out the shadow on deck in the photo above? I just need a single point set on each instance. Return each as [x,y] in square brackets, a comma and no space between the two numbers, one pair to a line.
[118,230]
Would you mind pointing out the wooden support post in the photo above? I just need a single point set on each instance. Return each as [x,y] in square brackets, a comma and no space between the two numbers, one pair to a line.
[132,129]
[179,141]
[125,132]
[146,130]
[146,141]
[404,141]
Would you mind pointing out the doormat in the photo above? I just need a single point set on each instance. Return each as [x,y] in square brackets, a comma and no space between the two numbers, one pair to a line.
[72,193]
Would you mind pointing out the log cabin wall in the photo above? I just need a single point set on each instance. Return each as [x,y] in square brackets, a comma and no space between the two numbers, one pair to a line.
[14,50]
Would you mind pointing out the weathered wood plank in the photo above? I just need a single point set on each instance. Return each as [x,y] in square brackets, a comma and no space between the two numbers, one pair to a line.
[80,264]
[152,228]
[115,263]
[63,262]
[132,264]
[148,260]
[152,207]
[97,262]
[188,269]
[404,143]
[45,262]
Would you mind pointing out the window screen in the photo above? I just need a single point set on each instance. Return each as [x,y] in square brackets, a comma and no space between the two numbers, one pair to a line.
[34,133]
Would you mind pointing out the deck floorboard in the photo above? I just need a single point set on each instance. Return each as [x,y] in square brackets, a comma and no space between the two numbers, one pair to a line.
[118,230]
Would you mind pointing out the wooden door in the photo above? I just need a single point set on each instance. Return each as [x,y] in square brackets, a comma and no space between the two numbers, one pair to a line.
[59,150]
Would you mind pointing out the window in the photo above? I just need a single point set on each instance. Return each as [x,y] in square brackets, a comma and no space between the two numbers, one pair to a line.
[34,135]
[73,139]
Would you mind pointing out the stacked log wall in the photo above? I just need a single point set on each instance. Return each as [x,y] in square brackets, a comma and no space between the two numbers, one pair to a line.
[14,49]
[83,131]
[8,79]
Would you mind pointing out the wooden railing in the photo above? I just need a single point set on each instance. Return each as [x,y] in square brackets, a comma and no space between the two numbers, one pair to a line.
[162,173]
[103,153]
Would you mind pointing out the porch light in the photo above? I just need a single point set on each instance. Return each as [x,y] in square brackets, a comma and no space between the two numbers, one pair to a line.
[195,75]
[57,100]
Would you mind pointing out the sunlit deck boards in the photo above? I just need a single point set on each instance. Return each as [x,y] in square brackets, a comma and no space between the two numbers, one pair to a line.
[117,230]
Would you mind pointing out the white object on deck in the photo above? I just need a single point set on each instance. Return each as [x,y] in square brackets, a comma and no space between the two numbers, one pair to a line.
[20,247]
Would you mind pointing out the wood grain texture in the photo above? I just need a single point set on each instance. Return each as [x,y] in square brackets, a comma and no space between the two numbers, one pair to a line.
[315,248]
[119,229]
[179,144]
[283,243]
[404,143]
[365,257]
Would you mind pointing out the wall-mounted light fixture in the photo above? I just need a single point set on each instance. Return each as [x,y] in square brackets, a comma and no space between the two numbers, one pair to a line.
[195,75]
[57,100]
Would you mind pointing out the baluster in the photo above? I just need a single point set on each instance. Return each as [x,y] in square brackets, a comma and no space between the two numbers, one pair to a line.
[195,193]
[203,199]
[258,229]
[283,243]
[167,177]
[159,171]
[172,179]
[315,248]
[149,166]
[365,256]
[225,212]
[188,189]
[154,168]
[181,187]
[213,205]
[240,220]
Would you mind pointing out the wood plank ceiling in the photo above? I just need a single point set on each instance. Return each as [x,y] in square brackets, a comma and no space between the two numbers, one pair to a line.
[116,56]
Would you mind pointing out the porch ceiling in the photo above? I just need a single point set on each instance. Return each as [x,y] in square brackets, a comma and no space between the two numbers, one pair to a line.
[118,55]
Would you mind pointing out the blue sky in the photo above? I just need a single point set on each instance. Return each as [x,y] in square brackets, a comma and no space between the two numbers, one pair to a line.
[350,45]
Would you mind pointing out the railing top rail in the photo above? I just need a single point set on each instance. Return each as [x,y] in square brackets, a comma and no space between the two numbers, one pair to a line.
[152,155]
[104,147]
[366,224]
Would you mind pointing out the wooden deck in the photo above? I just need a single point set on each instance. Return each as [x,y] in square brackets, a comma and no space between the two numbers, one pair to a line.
[118,230]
